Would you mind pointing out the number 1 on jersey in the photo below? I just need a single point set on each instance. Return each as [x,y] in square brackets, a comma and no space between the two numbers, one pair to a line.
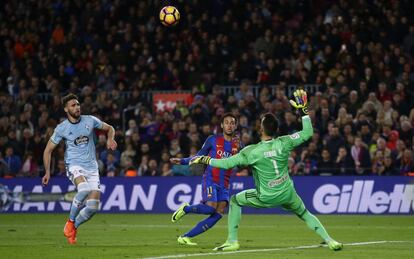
[276,168]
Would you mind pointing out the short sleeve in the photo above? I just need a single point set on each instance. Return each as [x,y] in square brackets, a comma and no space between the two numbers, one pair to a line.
[97,123]
[56,136]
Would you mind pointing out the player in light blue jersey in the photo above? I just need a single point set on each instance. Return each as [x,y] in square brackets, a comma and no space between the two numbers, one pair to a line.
[80,158]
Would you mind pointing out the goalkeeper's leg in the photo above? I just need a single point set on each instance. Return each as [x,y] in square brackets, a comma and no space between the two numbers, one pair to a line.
[296,205]
[245,198]
[313,223]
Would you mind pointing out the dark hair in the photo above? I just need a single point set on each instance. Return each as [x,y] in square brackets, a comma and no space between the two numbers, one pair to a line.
[270,124]
[228,114]
[67,98]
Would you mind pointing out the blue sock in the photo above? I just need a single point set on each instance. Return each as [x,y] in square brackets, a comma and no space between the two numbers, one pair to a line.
[200,209]
[77,203]
[87,212]
[204,225]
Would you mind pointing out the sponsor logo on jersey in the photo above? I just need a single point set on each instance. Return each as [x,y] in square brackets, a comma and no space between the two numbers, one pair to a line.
[275,182]
[222,154]
[359,197]
[81,140]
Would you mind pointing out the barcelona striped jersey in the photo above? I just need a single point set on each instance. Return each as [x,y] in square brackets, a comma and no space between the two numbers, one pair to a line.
[217,147]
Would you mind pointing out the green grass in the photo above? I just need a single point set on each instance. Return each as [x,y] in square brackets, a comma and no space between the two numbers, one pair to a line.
[137,236]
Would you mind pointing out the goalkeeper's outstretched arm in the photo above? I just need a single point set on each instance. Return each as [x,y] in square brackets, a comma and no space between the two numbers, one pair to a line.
[239,159]
[300,103]
[227,163]
[307,129]
[205,149]
[295,139]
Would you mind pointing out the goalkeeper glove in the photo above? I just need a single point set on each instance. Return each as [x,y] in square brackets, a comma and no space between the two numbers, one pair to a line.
[200,160]
[300,103]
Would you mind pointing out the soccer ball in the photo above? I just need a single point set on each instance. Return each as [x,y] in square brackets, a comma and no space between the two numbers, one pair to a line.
[169,16]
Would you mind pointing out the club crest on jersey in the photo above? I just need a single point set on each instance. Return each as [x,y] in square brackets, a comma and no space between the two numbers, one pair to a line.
[81,140]
[87,127]
[294,136]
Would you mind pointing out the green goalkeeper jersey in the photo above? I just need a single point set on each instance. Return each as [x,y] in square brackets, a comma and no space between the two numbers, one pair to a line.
[269,160]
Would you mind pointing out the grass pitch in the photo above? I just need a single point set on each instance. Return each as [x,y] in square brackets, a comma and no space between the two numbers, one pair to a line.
[153,235]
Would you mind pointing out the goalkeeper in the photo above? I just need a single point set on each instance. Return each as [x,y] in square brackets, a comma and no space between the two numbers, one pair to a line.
[269,163]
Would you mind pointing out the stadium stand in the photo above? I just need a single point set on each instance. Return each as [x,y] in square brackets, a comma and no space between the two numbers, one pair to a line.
[245,57]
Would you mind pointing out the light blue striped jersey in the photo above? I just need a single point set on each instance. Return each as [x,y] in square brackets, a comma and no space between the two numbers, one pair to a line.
[78,137]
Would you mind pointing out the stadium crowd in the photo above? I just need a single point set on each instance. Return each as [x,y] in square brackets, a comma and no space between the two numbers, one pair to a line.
[111,53]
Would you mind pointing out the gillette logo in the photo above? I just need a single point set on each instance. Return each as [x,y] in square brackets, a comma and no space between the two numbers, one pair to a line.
[360,198]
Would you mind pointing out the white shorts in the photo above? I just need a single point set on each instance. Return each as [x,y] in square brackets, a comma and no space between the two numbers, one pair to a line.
[92,177]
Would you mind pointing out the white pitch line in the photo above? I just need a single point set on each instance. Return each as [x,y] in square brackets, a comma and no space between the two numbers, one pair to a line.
[187,226]
[273,249]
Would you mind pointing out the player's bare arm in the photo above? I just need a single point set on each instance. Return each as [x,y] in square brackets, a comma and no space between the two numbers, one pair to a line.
[175,160]
[47,155]
[110,143]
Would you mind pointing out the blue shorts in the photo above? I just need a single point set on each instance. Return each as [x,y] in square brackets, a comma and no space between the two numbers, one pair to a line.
[214,192]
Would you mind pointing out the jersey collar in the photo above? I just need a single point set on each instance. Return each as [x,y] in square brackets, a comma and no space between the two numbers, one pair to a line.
[267,140]
[80,118]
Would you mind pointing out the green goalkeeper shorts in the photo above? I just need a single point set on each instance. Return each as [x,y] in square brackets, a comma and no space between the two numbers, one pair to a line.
[289,200]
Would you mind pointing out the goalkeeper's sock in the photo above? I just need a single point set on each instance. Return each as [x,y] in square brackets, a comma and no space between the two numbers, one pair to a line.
[87,212]
[77,203]
[199,209]
[233,220]
[313,223]
[204,225]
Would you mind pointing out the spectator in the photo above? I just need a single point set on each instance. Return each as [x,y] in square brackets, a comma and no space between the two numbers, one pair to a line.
[113,66]
[3,167]
[143,166]
[383,94]
[406,132]
[152,168]
[13,162]
[29,167]
[361,156]
[325,164]
[145,149]
[244,91]
[111,165]
[128,156]
[380,145]
[166,169]
[392,140]
[174,148]
[389,167]
[60,169]
[132,127]
[344,163]
[335,141]
[407,163]
[353,103]
[378,165]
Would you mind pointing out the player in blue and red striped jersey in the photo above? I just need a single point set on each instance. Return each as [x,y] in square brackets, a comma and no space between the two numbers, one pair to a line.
[215,182]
